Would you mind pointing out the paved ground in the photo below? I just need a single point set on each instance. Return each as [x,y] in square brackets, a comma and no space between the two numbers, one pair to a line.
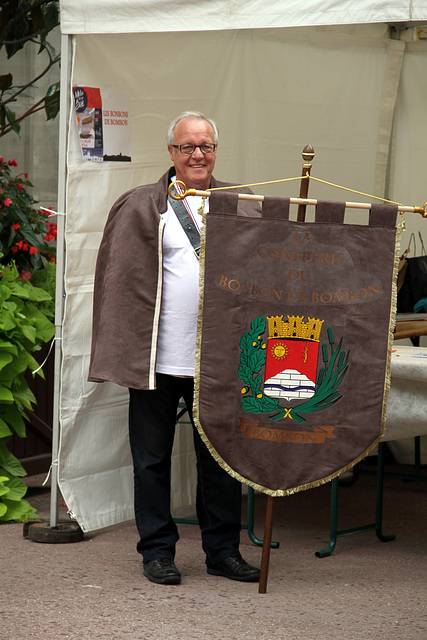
[94,589]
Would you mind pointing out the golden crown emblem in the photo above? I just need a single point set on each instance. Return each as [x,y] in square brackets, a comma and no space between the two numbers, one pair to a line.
[295,327]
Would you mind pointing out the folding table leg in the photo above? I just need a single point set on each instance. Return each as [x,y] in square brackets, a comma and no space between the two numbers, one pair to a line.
[376,526]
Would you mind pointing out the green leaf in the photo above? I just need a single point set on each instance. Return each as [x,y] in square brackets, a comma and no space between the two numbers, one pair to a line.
[28,292]
[252,405]
[6,81]
[29,332]
[6,395]
[51,103]
[256,386]
[9,306]
[18,366]
[17,488]
[245,342]
[5,358]
[14,418]
[51,14]
[3,510]
[11,117]
[7,321]
[258,326]
[4,429]
[11,464]
[257,360]
[21,510]
[4,490]
[37,18]
[23,395]
[45,329]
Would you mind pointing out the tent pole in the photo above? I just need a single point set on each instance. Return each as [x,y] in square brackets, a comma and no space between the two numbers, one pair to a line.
[60,264]
[55,531]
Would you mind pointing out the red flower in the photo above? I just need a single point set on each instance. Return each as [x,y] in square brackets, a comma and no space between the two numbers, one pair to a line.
[33,250]
[1,159]
[16,226]
[51,231]
[19,185]
[24,246]
[25,275]
[14,249]
[25,175]
[7,202]
[19,244]
[12,163]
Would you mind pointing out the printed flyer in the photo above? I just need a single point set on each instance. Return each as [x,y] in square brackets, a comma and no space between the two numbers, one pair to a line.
[102,116]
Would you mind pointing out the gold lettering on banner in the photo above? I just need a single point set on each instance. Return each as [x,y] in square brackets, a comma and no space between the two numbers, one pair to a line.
[296,275]
[313,257]
[266,292]
[252,429]
[332,297]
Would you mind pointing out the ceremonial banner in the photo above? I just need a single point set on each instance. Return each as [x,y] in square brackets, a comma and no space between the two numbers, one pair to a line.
[295,331]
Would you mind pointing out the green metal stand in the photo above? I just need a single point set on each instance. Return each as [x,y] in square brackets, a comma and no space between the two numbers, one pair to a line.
[250,525]
[376,526]
[415,475]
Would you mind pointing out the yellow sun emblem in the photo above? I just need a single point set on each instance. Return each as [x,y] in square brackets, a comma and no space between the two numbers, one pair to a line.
[279,351]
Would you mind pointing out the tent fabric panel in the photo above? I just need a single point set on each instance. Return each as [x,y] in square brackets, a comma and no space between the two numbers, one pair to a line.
[408,165]
[137,16]
[271,93]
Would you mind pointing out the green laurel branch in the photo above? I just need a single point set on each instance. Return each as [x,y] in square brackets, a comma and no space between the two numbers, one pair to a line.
[252,360]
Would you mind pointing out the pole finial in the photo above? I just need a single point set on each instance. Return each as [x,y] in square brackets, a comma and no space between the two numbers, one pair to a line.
[308,153]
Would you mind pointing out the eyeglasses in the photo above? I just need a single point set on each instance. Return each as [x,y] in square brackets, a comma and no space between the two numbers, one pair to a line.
[188,149]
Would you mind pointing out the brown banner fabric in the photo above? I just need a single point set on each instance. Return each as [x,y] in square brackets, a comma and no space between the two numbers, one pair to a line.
[294,341]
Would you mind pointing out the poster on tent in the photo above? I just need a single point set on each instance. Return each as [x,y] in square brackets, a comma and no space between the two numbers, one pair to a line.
[102,118]
[294,341]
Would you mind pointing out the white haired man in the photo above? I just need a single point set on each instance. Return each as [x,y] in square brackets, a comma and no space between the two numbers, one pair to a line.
[144,337]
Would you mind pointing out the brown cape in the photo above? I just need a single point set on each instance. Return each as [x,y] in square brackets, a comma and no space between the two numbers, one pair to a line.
[128,286]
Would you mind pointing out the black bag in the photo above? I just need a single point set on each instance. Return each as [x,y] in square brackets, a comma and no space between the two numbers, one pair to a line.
[414,286]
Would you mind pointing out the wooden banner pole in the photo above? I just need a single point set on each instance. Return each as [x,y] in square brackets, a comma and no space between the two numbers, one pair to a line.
[266,546]
[307,155]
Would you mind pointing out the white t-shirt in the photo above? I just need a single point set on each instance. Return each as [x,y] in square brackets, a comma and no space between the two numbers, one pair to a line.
[180,299]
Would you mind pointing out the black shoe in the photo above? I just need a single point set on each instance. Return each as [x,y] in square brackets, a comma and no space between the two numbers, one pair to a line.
[162,571]
[235,568]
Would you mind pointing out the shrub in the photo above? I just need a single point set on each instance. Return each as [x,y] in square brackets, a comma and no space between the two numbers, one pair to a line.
[23,327]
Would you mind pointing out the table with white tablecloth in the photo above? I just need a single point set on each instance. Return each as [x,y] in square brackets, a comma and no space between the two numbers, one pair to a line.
[407,402]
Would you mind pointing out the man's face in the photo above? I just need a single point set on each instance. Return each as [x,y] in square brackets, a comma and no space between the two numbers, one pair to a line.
[194,170]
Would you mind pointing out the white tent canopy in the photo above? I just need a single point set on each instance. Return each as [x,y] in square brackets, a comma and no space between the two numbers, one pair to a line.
[351,91]
[145,16]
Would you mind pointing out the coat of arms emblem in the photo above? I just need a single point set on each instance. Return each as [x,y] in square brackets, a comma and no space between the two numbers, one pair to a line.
[292,371]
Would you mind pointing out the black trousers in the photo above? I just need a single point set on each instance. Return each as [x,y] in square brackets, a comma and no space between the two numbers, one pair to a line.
[152,418]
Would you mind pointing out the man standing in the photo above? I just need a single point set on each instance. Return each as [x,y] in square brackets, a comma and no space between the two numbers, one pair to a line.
[144,337]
